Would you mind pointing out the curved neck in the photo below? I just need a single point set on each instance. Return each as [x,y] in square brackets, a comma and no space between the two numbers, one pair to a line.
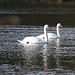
[58,31]
[46,36]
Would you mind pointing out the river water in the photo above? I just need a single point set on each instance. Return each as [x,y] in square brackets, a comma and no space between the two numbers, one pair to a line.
[38,16]
[55,58]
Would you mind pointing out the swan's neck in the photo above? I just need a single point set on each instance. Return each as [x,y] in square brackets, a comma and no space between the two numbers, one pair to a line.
[58,31]
[46,36]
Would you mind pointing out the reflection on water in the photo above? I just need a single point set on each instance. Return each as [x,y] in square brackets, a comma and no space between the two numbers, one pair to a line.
[38,16]
[10,20]
[56,57]
[45,64]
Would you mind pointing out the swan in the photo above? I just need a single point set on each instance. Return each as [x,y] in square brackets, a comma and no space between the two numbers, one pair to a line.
[35,40]
[52,35]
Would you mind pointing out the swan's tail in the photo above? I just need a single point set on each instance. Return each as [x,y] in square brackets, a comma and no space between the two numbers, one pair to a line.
[20,41]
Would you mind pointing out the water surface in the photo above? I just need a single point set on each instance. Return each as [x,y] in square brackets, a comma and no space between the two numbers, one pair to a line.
[38,16]
[56,57]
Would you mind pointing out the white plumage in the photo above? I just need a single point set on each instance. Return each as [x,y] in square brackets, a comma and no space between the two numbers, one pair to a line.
[36,40]
[51,35]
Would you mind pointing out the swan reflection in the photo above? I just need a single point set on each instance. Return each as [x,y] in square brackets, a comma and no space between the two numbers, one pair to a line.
[45,63]
[58,49]
[43,55]
[58,43]
[50,60]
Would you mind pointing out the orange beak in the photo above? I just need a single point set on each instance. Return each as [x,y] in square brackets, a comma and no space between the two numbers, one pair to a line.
[49,27]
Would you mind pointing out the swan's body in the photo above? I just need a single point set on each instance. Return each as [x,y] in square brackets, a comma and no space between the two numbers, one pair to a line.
[35,40]
[52,35]
[31,40]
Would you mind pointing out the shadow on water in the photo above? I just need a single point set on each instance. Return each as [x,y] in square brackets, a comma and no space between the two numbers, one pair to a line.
[38,16]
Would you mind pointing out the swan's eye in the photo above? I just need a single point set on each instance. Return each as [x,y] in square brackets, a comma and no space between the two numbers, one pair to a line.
[43,38]
[27,42]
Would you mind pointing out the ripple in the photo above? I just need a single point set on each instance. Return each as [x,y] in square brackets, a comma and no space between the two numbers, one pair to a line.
[36,59]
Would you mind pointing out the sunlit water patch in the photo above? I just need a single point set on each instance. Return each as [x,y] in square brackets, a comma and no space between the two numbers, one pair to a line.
[56,57]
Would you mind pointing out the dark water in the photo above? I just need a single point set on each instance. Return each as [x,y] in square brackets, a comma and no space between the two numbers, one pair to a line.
[55,58]
[38,16]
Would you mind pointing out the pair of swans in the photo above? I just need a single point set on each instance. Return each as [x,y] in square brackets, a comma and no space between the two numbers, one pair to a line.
[51,35]
[43,38]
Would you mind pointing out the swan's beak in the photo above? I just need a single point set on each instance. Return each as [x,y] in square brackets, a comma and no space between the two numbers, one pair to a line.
[49,28]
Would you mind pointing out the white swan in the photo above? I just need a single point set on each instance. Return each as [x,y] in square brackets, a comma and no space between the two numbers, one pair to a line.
[35,40]
[51,35]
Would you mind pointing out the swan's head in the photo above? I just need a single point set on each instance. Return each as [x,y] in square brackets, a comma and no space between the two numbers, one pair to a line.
[47,26]
[59,25]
